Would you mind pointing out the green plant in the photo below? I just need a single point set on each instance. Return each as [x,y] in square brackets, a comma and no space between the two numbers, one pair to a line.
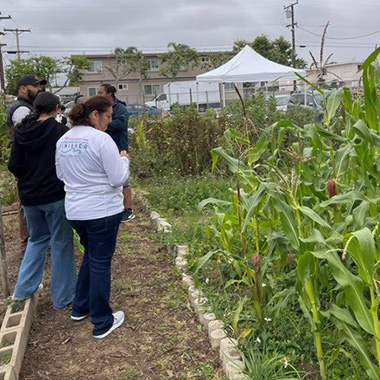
[128,374]
[268,365]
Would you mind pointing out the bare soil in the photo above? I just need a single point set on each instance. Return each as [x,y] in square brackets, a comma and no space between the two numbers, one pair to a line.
[160,339]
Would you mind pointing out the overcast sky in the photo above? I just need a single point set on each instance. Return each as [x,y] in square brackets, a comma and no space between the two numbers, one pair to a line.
[63,27]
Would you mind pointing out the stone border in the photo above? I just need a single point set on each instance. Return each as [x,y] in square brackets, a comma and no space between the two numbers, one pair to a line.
[229,353]
[14,334]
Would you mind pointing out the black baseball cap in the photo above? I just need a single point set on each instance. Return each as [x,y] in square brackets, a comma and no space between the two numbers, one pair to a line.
[30,79]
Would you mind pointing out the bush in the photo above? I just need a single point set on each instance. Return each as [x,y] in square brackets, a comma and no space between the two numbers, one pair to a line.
[181,143]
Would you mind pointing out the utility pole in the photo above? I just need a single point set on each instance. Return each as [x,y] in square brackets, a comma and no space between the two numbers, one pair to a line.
[2,78]
[1,58]
[290,14]
[17,32]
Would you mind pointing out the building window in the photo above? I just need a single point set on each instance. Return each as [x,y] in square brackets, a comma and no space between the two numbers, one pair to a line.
[151,89]
[181,67]
[121,61]
[123,86]
[153,65]
[95,67]
[92,91]
[205,59]
[229,86]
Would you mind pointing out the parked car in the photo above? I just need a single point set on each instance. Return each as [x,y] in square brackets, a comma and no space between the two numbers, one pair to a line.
[308,99]
[142,109]
[282,102]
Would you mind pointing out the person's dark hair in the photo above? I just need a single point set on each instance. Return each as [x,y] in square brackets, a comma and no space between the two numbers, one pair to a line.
[77,97]
[80,114]
[109,89]
[62,107]
[45,102]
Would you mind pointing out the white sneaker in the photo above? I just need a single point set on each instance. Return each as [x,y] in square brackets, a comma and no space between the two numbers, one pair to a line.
[118,319]
[79,318]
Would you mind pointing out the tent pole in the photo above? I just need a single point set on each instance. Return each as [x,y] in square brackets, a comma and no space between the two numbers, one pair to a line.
[222,94]
[196,87]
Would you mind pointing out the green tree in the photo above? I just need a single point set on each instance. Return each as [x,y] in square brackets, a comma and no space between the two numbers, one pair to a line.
[47,68]
[120,64]
[279,50]
[177,59]
[127,61]
[215,59]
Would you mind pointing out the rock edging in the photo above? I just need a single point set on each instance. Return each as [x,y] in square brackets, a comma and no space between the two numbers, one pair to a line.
[229,353]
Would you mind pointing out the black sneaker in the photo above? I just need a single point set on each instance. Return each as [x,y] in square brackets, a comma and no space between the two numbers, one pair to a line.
[127,216]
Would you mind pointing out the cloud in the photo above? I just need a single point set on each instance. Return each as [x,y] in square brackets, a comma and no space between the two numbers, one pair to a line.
[65,27]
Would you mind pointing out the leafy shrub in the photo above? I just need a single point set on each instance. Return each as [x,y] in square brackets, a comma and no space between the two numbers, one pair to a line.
[181,143]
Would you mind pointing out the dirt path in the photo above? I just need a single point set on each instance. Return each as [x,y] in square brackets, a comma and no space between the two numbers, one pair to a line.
[161,338]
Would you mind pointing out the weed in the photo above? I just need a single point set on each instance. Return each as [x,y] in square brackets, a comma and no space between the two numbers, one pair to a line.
[6,359]
[128,374]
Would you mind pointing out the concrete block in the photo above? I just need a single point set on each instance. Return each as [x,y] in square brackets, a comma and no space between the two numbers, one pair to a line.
[180,263]
[226,344]
[14,334]
[7,373]
[234,368]
[187,280]
[163,225]
[207,318]
[216,336]
[182,250]
[214,325]
[229,354]
[154,215]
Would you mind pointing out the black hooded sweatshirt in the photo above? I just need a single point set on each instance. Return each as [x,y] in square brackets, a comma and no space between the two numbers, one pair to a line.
[32,161]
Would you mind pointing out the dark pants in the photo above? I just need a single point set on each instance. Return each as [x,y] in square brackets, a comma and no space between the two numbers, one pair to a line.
[98,237]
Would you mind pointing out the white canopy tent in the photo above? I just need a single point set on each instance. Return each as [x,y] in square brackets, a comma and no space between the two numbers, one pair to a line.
[249,66]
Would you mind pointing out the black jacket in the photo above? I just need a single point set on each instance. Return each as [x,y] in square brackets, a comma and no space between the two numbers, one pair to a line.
[118,128]
[32,161]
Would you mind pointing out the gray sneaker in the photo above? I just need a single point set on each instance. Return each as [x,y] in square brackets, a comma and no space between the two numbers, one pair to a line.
[118,319]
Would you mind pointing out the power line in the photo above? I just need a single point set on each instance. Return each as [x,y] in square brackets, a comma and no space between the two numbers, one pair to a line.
[340,38]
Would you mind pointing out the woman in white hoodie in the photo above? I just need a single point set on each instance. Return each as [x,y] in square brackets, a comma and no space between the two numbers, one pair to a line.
[89,163]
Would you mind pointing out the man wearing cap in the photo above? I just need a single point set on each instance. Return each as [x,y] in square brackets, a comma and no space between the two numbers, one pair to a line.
[28,87]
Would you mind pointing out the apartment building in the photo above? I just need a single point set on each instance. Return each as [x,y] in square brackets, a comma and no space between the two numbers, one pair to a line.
[132,88]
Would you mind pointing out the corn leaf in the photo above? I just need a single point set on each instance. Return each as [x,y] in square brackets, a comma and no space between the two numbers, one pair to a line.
[288,221]
[314,216]
[353,288]
[363,251]
[253,202]
[358,343]
[332,104]
[213,201]
[360,215]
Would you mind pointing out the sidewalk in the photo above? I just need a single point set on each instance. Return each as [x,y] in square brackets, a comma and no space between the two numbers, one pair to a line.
[161,338]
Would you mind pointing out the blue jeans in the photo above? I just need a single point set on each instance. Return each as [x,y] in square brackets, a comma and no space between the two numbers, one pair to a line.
[98,237]
[47,224]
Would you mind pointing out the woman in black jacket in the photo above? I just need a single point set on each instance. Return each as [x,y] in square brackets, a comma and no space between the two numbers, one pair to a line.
[32,162]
